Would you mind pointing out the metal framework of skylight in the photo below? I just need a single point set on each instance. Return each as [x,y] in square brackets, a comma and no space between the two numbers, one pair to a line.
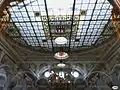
[36,22]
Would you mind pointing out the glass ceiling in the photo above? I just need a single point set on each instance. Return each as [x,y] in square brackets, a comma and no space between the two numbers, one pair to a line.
[82,22]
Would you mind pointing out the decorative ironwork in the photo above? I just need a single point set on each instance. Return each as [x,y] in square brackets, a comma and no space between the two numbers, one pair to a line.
[116,20]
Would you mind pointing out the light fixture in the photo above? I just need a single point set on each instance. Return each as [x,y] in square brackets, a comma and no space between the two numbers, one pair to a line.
[47,74]
[61,74]
[114,87]
[56,78]
[61,55]
[75,74]
[52,72]
[61,65]
[60,40]
[66,74]
[68,81]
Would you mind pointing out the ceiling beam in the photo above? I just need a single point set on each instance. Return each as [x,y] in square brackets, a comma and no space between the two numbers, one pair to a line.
[72,19]
[49,27]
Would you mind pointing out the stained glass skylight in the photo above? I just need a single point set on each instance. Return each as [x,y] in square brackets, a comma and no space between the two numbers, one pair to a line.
[82,22]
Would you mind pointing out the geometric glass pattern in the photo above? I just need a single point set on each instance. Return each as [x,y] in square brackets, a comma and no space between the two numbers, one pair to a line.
[82,22]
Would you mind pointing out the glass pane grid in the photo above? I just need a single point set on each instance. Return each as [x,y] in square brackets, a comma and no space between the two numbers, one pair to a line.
[91,18]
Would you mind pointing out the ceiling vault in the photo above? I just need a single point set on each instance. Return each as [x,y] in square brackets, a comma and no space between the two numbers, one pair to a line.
[86,58]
